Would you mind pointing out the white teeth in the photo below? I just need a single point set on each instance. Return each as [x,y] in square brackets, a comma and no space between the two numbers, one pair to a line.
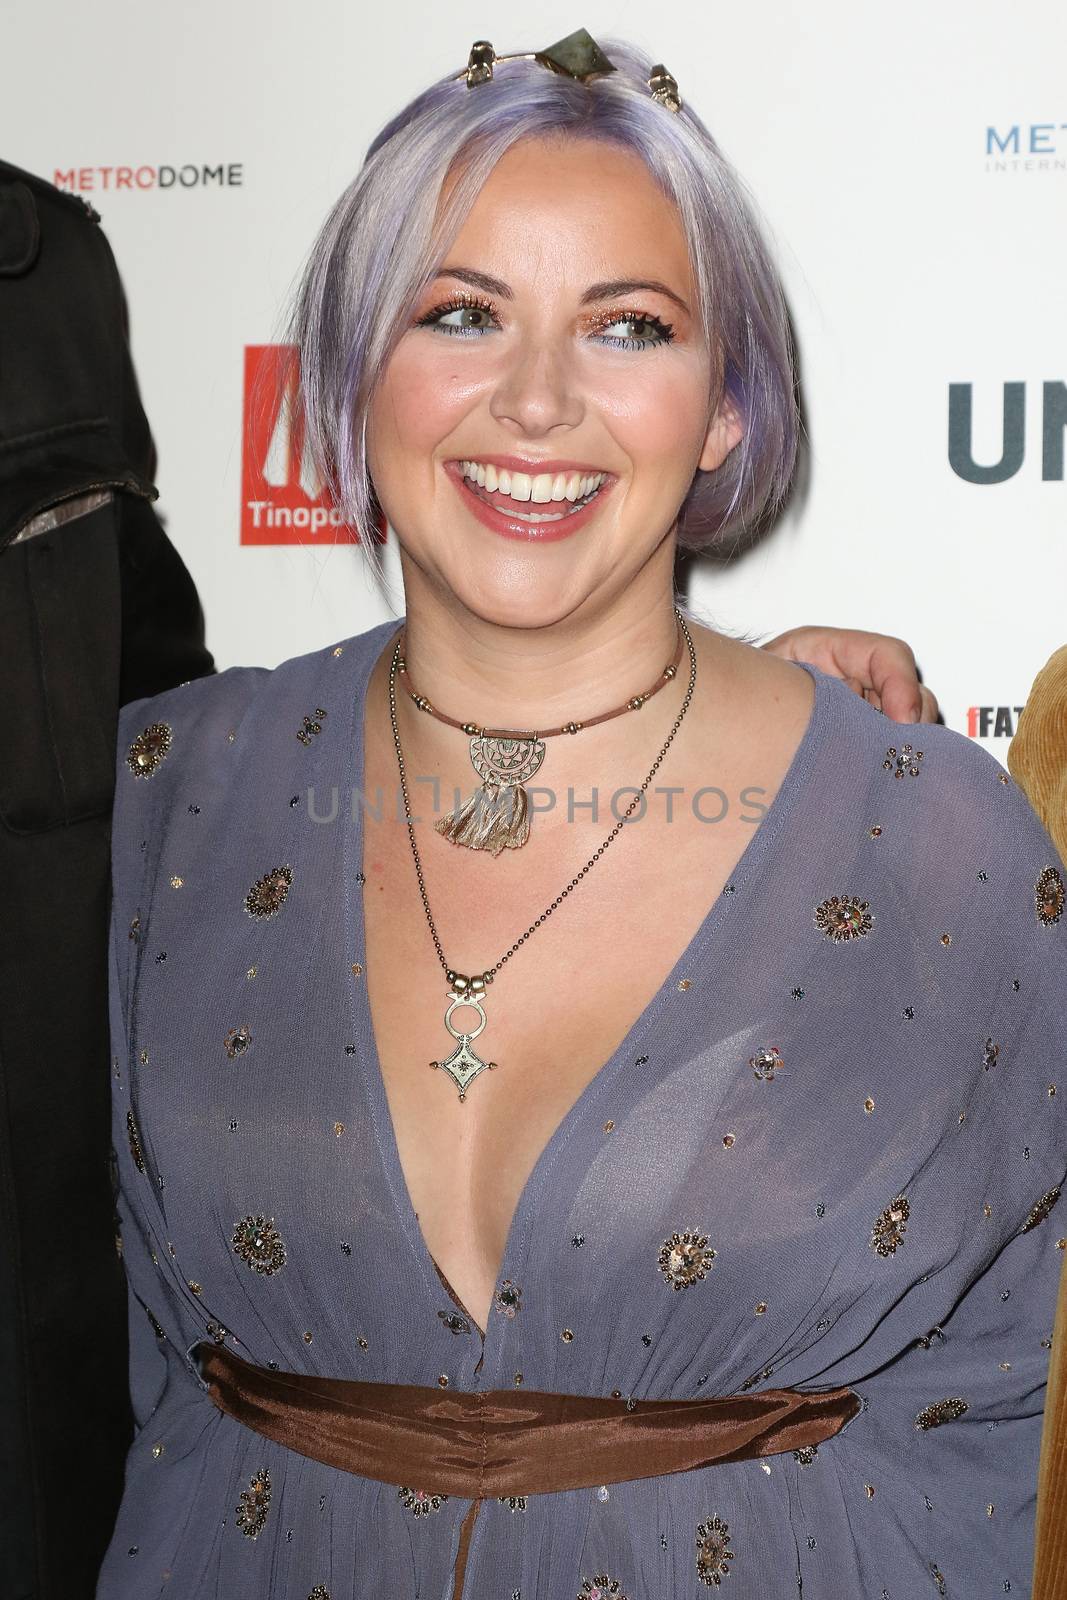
[541,488]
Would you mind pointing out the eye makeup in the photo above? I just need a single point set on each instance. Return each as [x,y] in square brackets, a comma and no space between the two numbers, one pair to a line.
[663,332]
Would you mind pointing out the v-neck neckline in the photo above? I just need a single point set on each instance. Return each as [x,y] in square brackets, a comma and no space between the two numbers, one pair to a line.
[750,860]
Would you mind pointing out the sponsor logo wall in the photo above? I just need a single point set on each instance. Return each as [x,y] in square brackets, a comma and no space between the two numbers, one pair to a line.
[927,298]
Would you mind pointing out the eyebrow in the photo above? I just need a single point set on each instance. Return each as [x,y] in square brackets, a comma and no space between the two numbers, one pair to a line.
[609,289]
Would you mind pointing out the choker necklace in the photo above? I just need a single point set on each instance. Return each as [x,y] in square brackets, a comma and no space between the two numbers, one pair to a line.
[464,1064]
[497,815]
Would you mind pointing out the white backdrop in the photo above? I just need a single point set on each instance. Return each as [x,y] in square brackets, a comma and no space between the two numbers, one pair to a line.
[912,163]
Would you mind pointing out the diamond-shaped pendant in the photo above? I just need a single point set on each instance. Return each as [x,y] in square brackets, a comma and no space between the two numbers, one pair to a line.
[464,1064]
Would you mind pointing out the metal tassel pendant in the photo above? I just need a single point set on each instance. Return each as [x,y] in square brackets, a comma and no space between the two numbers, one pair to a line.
[464,1064]
[497,815]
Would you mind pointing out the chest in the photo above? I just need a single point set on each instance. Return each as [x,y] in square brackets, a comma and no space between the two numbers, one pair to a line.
[679,1133]
[558,1009]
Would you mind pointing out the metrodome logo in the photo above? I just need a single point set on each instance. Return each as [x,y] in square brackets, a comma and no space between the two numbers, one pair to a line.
[282,500]
[150,175]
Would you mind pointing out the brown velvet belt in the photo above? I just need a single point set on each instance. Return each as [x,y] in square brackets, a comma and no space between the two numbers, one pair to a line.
[504,1442]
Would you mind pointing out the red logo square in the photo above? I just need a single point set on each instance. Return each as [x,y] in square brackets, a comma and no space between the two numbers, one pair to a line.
[282,500]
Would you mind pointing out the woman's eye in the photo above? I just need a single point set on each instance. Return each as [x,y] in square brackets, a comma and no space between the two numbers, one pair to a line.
[464,319]
[661,332]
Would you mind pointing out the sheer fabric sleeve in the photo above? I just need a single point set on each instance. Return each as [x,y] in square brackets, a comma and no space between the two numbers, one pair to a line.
[954,1376]
[171,748]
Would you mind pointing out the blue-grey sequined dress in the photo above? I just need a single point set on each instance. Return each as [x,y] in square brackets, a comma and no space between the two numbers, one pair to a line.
[852,1088]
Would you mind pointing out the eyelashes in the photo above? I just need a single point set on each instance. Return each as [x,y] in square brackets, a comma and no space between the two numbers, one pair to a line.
[456,302]
[663,331]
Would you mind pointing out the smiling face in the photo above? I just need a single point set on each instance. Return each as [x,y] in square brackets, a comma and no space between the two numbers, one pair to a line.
[540,421]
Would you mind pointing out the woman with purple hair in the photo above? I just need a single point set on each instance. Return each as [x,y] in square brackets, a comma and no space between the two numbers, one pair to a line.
[643,1180]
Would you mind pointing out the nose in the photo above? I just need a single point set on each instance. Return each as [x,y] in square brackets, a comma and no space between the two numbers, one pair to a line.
[537,390]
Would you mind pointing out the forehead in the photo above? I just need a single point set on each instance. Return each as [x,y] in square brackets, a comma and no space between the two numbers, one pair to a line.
[567,207]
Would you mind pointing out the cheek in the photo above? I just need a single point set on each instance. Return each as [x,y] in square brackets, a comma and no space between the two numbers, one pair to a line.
[418,402]
[659,414]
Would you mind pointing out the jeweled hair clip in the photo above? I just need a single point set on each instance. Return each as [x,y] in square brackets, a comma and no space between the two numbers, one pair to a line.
[577,56]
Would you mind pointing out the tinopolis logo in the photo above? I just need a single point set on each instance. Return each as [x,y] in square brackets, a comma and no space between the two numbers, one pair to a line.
[189,175]
[282,500]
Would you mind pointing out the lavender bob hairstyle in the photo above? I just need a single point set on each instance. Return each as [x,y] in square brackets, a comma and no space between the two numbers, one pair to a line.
[384,240]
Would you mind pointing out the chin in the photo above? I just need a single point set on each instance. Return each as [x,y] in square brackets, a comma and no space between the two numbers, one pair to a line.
[523,599]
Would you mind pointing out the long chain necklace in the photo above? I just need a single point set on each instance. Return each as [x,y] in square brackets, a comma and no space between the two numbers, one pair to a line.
[497,815]
[464,1064]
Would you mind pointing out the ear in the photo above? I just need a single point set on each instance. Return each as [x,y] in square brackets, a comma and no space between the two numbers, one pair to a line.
[724,434]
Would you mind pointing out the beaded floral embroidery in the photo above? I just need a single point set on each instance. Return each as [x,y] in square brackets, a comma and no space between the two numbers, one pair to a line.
[135,1141]
[514,1502]
[1048,896]
[320,1592]
[1041,1210]
[508,1298]
[905,760]
[312,725]
[419,1502]
[454,1323]
[713,1551]
[766,1063]
[237,1041]
[601,1588]
[685,1258]
[149,749]
[757,1377]
[941,1411]
[843,917]
[267,895]
[888,1232]
[258,1243]
[254,1505]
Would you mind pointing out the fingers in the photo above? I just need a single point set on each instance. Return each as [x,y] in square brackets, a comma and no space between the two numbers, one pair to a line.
[931,711]
[877,666]
[904,699]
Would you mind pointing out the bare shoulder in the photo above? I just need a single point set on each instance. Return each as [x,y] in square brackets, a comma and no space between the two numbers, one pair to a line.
[762,700]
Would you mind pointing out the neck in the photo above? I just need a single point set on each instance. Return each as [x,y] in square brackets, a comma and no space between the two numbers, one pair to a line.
[502,675]
[512,676]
